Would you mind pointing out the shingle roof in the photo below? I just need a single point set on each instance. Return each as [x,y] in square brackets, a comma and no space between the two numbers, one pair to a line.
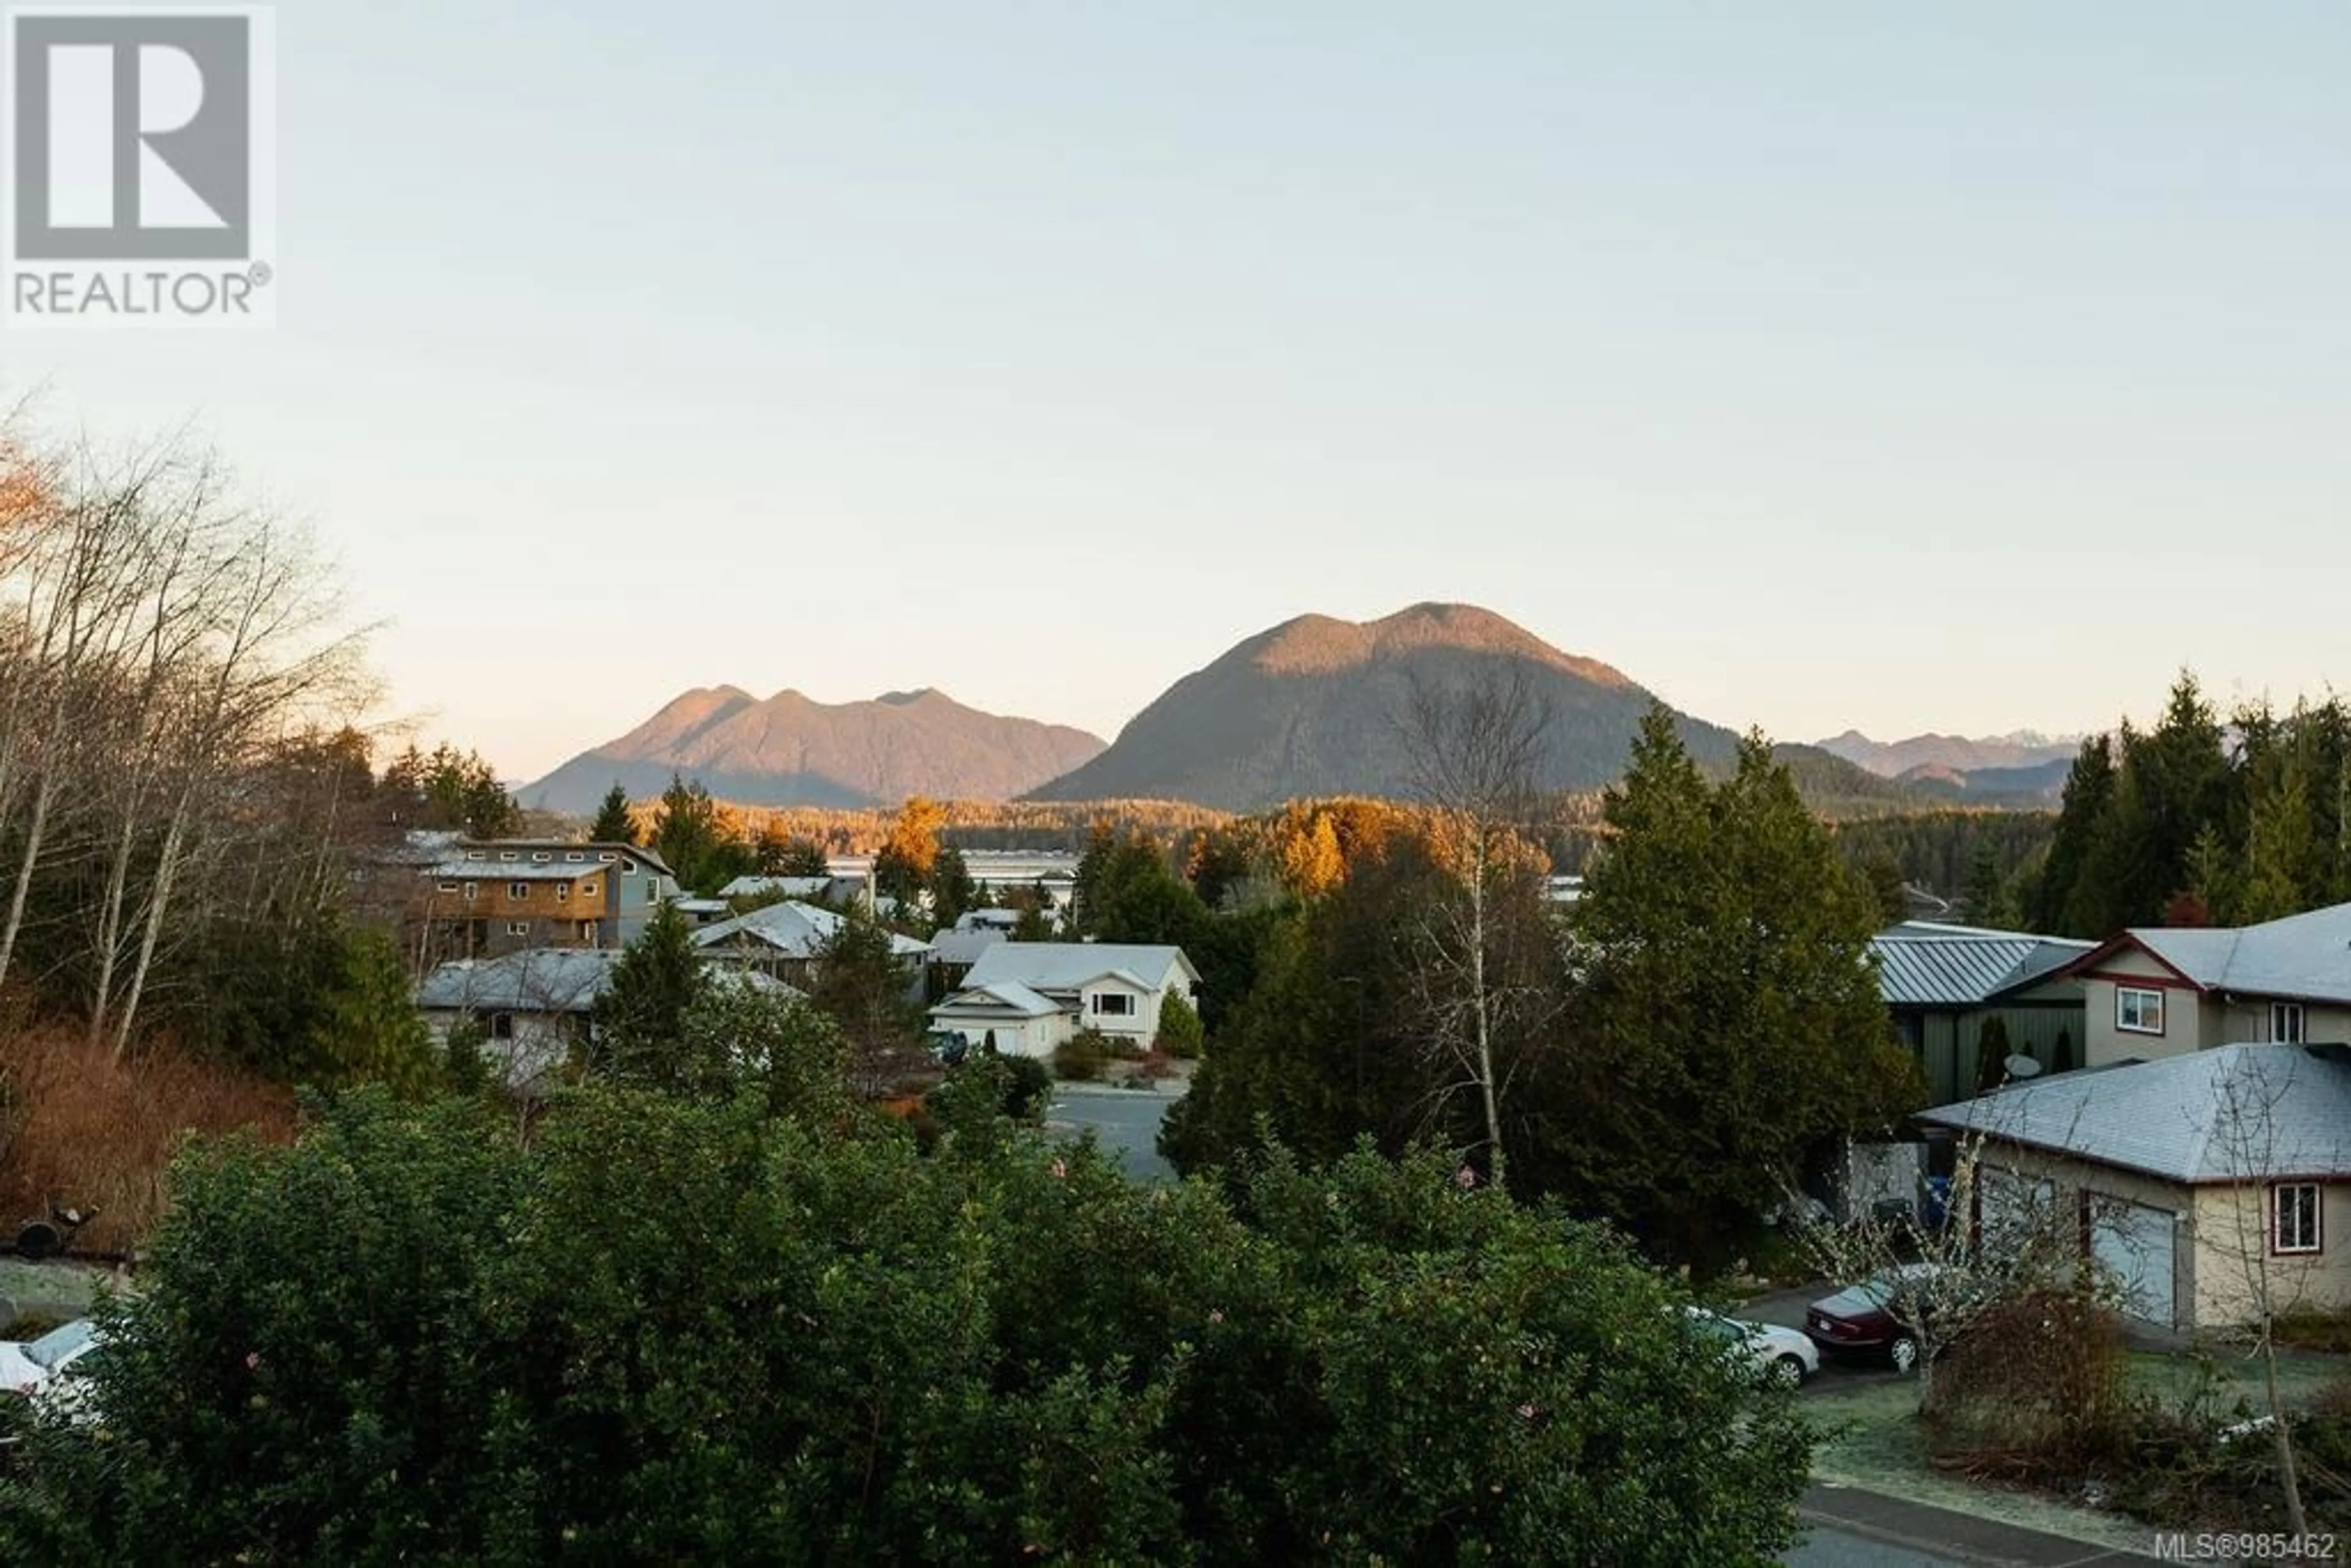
[1920,964]
[1004,996]
[2230,1113]
[963,946]
[516,870]
[2303,955]
[1066,966]
[794,929]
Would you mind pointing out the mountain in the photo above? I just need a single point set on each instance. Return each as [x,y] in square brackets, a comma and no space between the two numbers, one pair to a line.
[2029,785]
[1312,707]
[1952,755]
[790,750]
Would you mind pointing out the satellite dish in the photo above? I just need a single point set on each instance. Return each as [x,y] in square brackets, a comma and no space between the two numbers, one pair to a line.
[2022,1067]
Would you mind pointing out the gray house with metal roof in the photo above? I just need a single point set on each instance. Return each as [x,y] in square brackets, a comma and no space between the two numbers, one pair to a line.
[1944,983]
[2207,1186]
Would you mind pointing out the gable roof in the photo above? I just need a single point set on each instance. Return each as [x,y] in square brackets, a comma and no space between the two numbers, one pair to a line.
[1923,964]
[2234,1112]
[544,980]
[2304,957]
[1066,966]
[755,886]
[463,848]
[961,946]
[794,929]
[1007,996]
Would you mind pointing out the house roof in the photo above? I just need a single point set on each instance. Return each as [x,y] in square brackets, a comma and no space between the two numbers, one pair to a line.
[1008,996]
[544,980]
[790,886]
[794,929]
[1922,964]
[2235,1113]
[1066,966]
[2304,957]
[540,980]
[961,946]
[516,870]
[650,860]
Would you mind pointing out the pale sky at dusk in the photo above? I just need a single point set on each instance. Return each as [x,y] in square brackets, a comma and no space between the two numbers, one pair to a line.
[1954,368]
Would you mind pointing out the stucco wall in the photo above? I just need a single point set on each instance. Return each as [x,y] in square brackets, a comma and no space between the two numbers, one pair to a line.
[2190,1021]
[2232,1255]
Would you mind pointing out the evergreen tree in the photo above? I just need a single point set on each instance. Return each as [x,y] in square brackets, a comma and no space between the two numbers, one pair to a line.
[613,823]
[639,1020]
[952,888]
[368,1030]
[688,836]
[2089,791]
[1992,1055]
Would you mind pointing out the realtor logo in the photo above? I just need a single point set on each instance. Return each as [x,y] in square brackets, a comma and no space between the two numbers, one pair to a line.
[141,164]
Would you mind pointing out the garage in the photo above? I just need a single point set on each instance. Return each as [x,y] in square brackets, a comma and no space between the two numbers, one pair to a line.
[2011,1212]
[2132,1245]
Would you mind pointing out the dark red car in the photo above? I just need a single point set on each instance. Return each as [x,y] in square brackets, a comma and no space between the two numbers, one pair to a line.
[1855,1321]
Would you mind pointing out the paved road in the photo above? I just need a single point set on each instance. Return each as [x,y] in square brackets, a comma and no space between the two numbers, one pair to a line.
[1125,1122]
[1855,1529]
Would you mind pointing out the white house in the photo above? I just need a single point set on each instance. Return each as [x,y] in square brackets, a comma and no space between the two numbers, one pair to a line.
[786,940]
[1117,988]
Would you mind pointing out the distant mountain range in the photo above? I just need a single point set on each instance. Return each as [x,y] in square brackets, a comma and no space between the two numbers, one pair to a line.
[790,750]
[1310,708]
[2021,767]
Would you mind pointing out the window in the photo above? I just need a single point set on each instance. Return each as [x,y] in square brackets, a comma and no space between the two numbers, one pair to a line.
[588,931]
[446,887]
[628,868]
[541,855]
[506,854]
[1113,1005]
[518,890]
[573,856]
[2285,1022]
[2293,1208]
[562,891]
[653,892]
[518,927]
[607,856]
[477,855]
[2140,1012]
[587,888]
[472,888]
[502,1026]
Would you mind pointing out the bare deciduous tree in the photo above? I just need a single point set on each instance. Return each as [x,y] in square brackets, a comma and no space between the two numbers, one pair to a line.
[1474,755]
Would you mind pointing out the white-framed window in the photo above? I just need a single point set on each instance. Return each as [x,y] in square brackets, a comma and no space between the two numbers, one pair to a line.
[2286,1022]
[518,890]
[446,887]
[588,930]
[1112,1005]
[506,854]
[653,892]
[2140,1012]
[628,868]
[518,927]
[477,854]
[587,888]
[573,856]
[2293,1217]
[607,856]
[473,889]
[542,855]
[563,892]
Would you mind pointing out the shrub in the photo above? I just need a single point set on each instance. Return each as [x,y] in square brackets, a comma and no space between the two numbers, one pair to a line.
[1180,1034]
[1083,1056]
[1028,1086]
[682,1330]
[2036,1386]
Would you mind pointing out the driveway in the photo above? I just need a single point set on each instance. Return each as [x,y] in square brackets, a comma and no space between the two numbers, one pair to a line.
[1124,1121]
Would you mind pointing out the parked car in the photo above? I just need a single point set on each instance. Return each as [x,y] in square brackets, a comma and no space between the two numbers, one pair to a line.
[27,1364]
[1782,1356]
[1858,1322]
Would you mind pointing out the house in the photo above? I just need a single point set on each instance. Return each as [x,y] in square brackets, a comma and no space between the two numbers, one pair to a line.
[537,1009]
[2198,1181]
[1944,983]
[1115,987]
[485,897]
[787,940]
[952,953]
[808,889]
[2162,991]
[1054,873]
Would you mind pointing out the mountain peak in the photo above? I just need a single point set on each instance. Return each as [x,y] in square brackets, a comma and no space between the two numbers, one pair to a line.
[1322,644]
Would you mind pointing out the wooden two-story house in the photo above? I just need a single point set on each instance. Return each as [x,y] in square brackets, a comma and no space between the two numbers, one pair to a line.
[485,897]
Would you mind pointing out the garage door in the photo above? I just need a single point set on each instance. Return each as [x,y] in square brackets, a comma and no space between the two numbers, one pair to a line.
[2132,1245]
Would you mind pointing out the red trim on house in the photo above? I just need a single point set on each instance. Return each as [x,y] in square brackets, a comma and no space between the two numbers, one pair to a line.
[2086,964]
[2144,982]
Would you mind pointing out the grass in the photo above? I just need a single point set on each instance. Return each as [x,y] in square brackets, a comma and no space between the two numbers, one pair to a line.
[1875,1441]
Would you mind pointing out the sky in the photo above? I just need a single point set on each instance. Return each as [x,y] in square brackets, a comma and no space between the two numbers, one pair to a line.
[1958,368]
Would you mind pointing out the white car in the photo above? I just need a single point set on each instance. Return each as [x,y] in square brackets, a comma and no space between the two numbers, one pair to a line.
[27,1364]
[1782,1356]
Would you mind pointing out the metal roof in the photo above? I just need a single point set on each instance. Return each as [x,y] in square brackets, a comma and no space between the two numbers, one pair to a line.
[544,980]
[1923,965]
[1008,996]
[2235,1113]
[794,929]
[517,871]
